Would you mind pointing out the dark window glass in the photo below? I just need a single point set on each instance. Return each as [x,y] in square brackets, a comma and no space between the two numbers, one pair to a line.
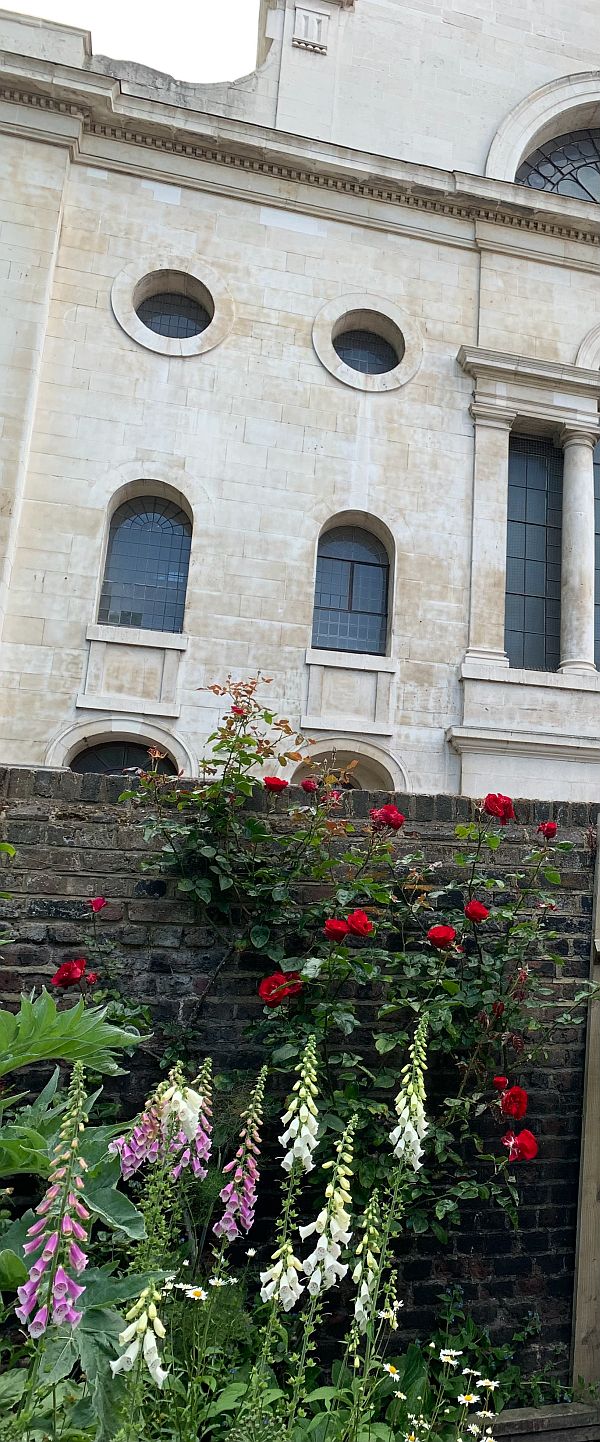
[173,315]
[147,561]
[535,470]
[112,757]
[351,592]
[568,165]
[366,352]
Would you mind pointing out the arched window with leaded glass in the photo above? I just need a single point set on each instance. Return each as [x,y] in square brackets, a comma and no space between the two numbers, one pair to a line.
[351,592]
[147,563]
[567,165]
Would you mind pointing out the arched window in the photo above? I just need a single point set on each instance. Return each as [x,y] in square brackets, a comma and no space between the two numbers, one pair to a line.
[110,758]
[351,592]
[147,561]
[568,165]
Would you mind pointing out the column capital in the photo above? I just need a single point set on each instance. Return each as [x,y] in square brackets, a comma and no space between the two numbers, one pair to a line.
[579,435]
[499,418]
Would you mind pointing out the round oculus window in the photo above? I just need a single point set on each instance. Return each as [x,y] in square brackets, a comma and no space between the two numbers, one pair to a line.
[174,315]
[366,352]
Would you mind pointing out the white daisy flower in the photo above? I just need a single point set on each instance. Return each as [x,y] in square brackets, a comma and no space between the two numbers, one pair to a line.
[448,1357]
[391,1370]
[196,1294]
[467,1399]
[485,1382]
[401,1396]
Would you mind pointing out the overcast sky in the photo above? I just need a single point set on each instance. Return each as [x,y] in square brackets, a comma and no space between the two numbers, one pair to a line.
[190,39]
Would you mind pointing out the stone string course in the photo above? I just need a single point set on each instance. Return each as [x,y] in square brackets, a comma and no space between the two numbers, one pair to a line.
[74,841]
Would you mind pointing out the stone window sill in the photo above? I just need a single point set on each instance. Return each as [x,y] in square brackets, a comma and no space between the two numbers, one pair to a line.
[349,660]
[513,676]
[134,636]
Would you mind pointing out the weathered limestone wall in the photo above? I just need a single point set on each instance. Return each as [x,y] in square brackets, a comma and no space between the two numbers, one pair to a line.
[429,80]
[258,435]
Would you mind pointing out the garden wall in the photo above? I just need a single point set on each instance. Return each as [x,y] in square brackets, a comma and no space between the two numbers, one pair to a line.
[75,841]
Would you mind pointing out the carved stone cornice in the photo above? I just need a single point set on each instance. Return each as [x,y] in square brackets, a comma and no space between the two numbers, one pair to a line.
[501,366]
[107,113]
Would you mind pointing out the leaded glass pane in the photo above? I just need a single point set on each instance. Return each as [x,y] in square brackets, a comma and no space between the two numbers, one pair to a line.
[174,315]
[365,351]
[351,591]
[567,165]
[147,562]
[112,757]
[532,636]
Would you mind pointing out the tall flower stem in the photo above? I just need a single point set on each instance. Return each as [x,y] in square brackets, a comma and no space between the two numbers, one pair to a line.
[51,1292]
[323,1266]
[280,1284]
[406,1139]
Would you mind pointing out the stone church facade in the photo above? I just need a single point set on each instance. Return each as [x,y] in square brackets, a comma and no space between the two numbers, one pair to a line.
[300,374]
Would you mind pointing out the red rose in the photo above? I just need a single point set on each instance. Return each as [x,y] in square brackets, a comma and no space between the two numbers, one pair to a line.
[521,1148]
[548,830]
[335,797]
[441,937]
[274,989]
[69,973]
[238,711]
[97,903]
[335,930]
[500,1082]
[387,815]
[309,784]
[92,978]
[275,783]
[501,806]
[498,1010]
[513,1103]
[358,923]
[476,911]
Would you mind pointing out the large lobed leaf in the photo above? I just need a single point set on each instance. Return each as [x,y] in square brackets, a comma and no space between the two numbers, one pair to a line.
[40,1032]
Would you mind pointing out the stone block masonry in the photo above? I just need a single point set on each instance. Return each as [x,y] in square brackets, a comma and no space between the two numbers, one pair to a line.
[75,841]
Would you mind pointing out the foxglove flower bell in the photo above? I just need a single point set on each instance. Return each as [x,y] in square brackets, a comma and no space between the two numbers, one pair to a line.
[239,1195]
[49,1296]
[176,1121]
[323,1266]
[281,1280]
[301,1122]
[145,1327]
[407,1136]
[365,1273]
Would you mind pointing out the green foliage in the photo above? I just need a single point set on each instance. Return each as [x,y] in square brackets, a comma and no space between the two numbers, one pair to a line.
[235,1367]
[492,1009]
[40,1031]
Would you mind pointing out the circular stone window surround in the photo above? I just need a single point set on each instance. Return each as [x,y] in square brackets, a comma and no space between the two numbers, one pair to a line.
[368,312]
[183,275]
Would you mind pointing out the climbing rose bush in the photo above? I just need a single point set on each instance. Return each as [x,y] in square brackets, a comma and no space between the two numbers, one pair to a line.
[375,975]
